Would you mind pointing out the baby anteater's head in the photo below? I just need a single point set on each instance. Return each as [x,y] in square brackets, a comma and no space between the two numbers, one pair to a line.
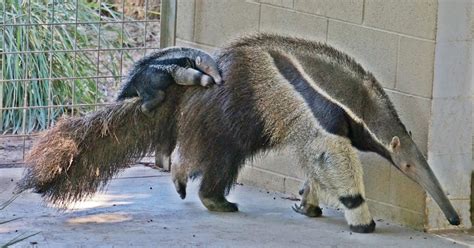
[208,65]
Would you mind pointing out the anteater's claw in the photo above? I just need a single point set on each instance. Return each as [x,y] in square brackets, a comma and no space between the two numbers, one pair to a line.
[298,208]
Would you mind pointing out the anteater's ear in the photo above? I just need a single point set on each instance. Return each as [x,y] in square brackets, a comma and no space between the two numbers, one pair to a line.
[198,60]
[395,144]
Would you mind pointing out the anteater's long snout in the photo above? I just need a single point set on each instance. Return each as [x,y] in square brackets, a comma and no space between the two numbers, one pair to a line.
[430,183]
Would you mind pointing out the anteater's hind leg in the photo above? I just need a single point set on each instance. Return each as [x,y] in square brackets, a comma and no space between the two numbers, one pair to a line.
[219,175]
[310,202]
[219,171]
[213,190]
[337,168]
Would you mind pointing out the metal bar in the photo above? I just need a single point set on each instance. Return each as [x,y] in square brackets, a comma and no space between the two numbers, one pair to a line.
[98,54]
[79,23]
[121,41]
[5,136]
[2,67]
[75,57]
[25,86]
[146,27]
[59,106]
[82,50]
[50,82]
[59,78]
[168,16]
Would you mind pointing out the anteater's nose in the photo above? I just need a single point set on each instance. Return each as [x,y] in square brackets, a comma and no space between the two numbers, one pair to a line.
[454,220]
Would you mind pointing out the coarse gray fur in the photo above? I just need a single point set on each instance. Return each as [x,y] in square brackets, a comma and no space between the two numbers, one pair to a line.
[368,121]
[279,92]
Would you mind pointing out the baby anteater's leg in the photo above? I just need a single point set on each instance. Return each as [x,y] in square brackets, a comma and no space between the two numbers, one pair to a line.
[190,76]
[151,101]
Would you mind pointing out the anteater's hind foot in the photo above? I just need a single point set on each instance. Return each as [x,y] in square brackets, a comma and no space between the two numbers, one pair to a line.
[218,204]
[181,189]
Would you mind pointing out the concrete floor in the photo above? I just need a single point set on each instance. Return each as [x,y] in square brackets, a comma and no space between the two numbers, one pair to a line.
[141,208]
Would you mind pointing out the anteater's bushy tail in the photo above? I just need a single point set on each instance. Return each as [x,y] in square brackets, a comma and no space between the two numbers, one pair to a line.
[79,155]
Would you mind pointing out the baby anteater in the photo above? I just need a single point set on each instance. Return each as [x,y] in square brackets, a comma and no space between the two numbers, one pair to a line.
[152,75]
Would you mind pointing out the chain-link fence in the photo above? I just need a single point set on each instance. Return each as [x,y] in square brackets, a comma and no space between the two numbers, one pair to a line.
[65,58]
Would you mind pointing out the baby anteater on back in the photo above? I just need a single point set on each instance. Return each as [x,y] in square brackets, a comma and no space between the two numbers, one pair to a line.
[152,75]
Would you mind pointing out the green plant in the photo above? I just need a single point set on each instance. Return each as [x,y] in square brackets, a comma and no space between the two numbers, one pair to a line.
[48,61]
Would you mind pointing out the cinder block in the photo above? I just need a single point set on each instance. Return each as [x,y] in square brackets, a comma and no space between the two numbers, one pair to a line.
[437,220]
[417,18]
[415,67]
[376,177]
[185,20]
[217,22]
[451,126]
[454,173]
[290,22]
[347,10]
[281,3]
[405,193]
[251,176]
[398,215]
[415,113]
[453,69]
[209,49]
[375,50]
[455,20]
[281,162]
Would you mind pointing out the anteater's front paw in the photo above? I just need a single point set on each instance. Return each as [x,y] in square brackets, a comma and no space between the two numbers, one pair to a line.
[207,81]
[364,228]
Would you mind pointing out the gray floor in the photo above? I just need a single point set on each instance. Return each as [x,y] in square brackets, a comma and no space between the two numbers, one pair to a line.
[141,209]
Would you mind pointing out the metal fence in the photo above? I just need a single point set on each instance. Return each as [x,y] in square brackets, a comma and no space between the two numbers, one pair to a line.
[64,58]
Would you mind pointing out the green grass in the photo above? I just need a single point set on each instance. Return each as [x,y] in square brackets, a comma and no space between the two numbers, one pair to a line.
[57,64]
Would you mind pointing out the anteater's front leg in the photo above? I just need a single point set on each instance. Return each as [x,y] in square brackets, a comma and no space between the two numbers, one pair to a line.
[310,202]
[337,168]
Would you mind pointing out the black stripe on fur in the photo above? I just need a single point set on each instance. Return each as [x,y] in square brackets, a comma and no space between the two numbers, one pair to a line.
[332,117]
[352,201]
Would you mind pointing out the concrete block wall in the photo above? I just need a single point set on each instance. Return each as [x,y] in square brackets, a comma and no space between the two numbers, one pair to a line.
[449,143]
[397,41]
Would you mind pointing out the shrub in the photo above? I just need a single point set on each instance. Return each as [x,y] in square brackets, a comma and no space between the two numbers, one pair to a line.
[17,39]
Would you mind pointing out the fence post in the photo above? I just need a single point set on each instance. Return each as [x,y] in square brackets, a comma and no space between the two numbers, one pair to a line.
[1,91]
[168,16]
